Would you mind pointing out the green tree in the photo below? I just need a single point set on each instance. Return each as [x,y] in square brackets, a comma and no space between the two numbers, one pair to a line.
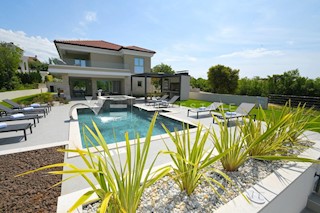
[289,83]
[38,65]
[160,68]
[256,86]
[10,56]
[163,68]
[200,83]
[223,79]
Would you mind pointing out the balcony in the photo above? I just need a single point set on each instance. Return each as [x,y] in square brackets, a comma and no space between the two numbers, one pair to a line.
[87,68]
[89,63]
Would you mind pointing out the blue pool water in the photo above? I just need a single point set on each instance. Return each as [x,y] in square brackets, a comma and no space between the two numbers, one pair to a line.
[115,123]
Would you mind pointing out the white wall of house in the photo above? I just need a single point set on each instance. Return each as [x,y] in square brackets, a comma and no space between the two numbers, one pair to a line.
[103,60]
[24,65]
[184,87]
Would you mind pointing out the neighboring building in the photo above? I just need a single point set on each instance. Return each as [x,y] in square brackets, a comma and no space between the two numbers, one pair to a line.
[24,63]
[91,65]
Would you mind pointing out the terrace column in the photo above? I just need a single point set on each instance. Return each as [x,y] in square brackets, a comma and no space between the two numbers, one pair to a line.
[66,86]
[94,88]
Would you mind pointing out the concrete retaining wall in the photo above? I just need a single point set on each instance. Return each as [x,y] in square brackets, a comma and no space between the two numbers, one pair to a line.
[20,93]
[294,197]
[229,99]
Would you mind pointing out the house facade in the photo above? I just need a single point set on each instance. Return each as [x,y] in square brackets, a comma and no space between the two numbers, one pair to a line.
[91,66]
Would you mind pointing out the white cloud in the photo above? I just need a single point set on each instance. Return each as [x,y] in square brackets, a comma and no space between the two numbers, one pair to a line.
[32,45]
[89,17]
[255,53]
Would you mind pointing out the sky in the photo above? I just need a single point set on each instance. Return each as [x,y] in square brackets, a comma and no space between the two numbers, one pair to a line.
[259,38]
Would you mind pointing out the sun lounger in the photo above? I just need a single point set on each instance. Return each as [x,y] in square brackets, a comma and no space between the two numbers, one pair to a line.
[9,111]
[167,103]
[212,107]
[34,105]
[164,97]
[17,127]
[243,110]
[33,117]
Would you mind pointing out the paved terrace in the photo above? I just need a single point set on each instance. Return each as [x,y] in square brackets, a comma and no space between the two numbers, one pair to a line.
[53,130]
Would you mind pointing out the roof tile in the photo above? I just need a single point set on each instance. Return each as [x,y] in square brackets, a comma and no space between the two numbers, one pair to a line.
[102,45]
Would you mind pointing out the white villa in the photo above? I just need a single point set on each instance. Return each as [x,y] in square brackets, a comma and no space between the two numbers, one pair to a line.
[92,65]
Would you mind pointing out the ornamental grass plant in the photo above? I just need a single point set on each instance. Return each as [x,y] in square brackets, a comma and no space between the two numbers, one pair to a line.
[287,137]
[258,139]
[119,188]
[192,159]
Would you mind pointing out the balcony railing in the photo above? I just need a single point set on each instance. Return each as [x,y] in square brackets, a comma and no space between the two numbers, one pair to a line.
[89,63]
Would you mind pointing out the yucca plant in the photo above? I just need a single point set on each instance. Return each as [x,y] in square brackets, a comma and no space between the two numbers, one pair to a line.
[192,159]
[119,188]
[242,143]
[270,145]
[269,140]
[303,119]
[229,139]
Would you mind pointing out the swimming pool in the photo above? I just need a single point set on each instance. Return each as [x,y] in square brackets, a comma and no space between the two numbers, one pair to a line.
[113,124]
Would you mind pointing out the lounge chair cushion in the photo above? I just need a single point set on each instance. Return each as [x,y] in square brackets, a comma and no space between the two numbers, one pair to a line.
[35,105]
[28,108]
[3,125]
[18,115]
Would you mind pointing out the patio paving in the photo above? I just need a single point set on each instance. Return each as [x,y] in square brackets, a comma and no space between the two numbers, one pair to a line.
[53,130]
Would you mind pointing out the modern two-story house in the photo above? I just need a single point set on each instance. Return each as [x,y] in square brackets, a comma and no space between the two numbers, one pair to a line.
[91,66]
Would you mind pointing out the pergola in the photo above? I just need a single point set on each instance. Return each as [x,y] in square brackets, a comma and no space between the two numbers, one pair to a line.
[152,75]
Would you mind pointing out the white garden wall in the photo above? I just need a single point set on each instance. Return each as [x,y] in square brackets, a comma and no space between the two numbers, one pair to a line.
[20,93]
[229,99]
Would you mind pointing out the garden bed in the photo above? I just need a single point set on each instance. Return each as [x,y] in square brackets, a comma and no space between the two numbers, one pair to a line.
[29,193]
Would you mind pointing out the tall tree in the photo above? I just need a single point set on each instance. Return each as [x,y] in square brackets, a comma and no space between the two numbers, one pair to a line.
[223,79]
[10,56]
[164,68]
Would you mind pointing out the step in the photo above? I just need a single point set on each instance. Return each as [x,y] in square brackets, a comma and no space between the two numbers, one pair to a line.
[314,202]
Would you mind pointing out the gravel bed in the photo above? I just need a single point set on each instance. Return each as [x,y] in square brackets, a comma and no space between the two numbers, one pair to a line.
[29,193]
[165,195]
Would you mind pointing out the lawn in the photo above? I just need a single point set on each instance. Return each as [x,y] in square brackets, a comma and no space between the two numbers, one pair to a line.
[272,108]
[43,97]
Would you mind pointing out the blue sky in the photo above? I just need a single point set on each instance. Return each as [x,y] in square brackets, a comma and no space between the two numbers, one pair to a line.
[259,38]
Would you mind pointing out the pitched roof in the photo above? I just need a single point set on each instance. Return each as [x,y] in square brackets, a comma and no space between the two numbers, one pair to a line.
[102,45]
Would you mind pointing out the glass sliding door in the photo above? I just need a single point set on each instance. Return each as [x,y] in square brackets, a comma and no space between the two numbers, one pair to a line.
[109,87]
[80,87]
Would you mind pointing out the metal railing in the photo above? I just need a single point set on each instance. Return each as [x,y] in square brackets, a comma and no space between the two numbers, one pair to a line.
[295,100]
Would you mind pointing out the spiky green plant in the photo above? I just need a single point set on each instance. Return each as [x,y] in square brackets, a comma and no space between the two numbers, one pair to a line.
[287,136]
[120,186]
[272,144]
[303,119]
[192,159]
[230,138]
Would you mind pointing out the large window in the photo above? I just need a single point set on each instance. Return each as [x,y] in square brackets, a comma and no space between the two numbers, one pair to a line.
[138,65]
[80,62]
